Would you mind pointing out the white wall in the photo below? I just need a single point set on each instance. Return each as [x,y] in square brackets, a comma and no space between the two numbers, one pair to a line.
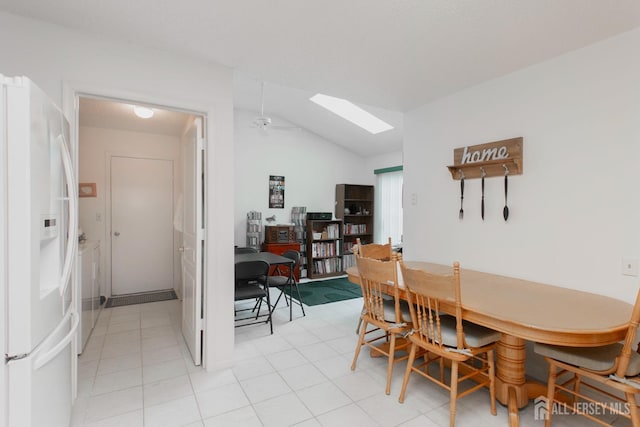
[575,210]
[96,145]
[311,165]
[383,161]
[57,58]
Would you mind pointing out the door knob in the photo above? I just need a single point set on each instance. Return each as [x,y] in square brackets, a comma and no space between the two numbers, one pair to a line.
[116,233]
[181,249]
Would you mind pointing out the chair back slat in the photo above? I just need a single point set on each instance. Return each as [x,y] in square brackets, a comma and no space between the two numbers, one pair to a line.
[378,251]
[625,355]
[375,276]
[426,292]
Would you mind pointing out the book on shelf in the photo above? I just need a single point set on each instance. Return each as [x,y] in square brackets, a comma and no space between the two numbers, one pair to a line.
[355,228]
[325,249]
[327,266]
[348,260]
[348,246]
[254,215]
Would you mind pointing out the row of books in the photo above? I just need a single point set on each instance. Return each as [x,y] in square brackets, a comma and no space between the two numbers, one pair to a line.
[348,261]
[333,231]
[254,215]
[355,229]
[328,265]
[253,241]
[254,227]
[348,246]
[325,249]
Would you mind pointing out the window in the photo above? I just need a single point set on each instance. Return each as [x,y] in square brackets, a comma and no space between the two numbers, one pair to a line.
[388,209]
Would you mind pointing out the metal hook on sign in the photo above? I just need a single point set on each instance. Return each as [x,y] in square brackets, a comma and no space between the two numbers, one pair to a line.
[506,170]
[482,173]
[461,174]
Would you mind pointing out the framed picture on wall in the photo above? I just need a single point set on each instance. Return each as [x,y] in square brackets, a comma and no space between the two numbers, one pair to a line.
[276,191]
[87,189]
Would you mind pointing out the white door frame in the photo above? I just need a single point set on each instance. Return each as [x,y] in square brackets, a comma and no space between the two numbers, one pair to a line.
[71,93]
[107,190]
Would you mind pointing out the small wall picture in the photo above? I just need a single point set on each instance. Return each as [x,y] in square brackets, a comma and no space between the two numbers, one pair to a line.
[276,191]
[87,189]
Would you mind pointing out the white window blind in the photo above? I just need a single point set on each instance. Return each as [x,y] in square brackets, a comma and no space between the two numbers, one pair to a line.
[388,205]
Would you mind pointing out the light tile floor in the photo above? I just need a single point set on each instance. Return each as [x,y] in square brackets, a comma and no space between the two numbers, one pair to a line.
[136,371]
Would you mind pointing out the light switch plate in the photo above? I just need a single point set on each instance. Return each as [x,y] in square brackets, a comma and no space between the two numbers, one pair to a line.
[630,266]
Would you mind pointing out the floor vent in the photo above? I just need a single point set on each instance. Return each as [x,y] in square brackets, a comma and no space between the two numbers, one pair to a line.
[146,297]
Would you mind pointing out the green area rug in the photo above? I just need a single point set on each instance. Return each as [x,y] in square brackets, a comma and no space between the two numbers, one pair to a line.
[326,291]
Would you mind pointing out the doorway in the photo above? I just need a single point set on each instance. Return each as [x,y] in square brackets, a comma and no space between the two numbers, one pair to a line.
[138,169]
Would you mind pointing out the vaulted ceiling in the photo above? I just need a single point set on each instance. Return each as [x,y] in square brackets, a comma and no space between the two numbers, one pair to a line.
[388,56]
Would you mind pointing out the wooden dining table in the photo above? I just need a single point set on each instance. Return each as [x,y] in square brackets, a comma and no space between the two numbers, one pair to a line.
[522,311]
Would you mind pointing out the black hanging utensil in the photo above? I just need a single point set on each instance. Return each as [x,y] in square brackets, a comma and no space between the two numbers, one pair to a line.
[482,201]
[461,213]
[505,211]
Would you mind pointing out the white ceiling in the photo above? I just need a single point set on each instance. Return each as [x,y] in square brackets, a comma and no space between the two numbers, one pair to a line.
[393,54]
[103,113]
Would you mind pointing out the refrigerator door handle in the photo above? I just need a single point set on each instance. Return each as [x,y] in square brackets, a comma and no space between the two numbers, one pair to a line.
[43,359]
[73,214]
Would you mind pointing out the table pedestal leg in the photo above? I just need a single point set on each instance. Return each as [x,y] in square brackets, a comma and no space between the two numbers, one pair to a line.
[511,385]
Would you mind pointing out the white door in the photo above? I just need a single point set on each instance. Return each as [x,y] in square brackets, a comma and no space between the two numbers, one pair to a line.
[192,229]
[141,225]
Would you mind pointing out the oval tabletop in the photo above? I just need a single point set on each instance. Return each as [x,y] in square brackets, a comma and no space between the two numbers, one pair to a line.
[535,311]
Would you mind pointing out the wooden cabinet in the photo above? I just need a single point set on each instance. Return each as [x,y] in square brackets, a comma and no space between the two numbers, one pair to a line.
[354,205]
[279,249]
[324,248]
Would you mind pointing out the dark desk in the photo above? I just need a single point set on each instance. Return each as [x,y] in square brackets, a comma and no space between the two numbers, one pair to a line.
[270,258]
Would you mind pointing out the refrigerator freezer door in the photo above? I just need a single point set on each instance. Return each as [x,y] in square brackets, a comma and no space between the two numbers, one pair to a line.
[39,386]
[40,197]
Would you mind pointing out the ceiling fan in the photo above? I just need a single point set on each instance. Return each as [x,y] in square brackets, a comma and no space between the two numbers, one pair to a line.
[263,122]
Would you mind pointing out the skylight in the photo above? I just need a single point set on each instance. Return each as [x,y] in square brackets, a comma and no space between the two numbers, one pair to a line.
[351,112]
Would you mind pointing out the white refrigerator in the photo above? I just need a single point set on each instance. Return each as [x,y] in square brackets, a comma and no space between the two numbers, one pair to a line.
[38,231]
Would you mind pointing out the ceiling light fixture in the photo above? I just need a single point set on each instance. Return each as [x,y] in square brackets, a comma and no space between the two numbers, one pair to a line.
[351,112]
[143,112]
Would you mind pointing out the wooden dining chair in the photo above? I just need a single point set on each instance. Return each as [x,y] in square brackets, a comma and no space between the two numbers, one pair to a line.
[597,370]
[382,252]
[469,348]
[384,319]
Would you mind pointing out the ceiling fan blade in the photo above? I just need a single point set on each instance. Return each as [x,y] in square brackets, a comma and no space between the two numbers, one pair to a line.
[285,127]
[262,99]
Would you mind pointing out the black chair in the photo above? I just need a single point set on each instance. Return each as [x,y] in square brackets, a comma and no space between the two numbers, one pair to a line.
[287,279]
[245,250]
[251,283]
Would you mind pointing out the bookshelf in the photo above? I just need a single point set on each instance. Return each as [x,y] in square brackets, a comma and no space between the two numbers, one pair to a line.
[299,220]
[254,229]
[324,248]
[354,205]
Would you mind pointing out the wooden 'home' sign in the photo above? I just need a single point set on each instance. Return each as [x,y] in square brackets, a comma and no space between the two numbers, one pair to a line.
[493,159]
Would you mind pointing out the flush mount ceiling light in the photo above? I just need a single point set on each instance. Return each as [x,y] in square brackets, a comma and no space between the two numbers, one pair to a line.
[143,112]
[351,112]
